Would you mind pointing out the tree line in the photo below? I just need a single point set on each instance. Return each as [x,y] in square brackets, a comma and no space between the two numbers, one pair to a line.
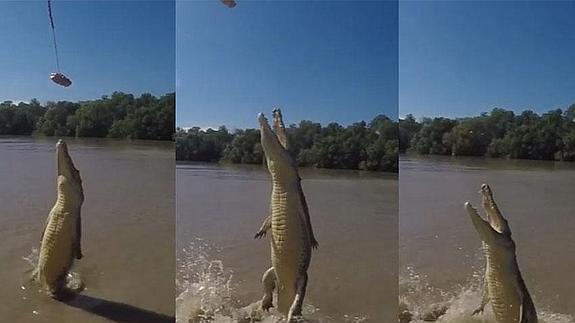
[119,115]
[363,146]
[500,133]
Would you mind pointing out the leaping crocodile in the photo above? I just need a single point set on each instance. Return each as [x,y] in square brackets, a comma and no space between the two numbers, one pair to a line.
[61,237]
[503,285]
[292,237]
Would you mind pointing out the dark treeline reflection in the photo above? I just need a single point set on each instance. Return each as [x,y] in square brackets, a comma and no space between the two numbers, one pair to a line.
[363,146]
[500,133]
[120,115]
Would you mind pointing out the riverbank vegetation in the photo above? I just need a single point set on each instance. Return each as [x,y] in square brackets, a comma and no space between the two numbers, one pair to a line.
[364,146]
[119,115]
[500,133]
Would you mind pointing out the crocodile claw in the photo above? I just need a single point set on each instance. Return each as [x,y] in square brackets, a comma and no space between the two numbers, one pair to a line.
[260,234]
[477,311]
[314,244]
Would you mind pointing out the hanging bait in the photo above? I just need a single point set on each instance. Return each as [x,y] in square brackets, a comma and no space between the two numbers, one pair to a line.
[229,3]
[57,77]
[60,79]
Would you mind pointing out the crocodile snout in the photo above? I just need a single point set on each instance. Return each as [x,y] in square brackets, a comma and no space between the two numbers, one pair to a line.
[61,147]
[262,118]
[485,190]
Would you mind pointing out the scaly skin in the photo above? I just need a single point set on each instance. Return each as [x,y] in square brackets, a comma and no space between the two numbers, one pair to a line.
[61,237]
[503,286]
[292,237]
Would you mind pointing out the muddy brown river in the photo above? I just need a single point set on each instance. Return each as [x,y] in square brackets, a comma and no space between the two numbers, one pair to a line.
[440,252]
[128,230]
[353,273]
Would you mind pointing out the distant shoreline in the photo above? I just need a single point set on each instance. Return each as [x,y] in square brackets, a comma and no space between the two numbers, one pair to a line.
[414,155]
[303,169]
[498,134]
[119,115]
[365,146]
[219,163]
[41,136]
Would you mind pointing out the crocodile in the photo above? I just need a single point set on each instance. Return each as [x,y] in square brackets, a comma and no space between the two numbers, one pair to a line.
[503,284]
[60,241]
[292,238]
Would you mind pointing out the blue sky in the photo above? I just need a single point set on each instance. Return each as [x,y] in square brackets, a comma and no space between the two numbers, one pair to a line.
[104,46]
[461,58]
[323,61]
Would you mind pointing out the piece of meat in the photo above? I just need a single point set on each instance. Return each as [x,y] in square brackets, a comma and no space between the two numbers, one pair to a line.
[60,79]
[229,3]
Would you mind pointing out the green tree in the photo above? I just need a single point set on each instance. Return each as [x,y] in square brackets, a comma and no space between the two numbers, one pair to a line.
[245,148]
[119,115]
[469,138]
[430,138]
[55,121]
[408,128]
[372,146]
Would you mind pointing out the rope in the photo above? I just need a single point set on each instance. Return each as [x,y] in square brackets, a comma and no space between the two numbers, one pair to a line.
[54,36]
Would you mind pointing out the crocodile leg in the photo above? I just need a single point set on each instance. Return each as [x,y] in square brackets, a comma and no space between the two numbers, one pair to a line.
[56,290]
[264,228]
[269,281]
[484,298]
[295,309]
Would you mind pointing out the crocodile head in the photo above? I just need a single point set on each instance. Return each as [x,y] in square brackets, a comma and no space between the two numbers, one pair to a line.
[494,217]
[69,180]
[279,162]
[277,114]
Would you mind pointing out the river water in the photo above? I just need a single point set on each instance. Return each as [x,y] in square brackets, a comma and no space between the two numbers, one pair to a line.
[440,252]
[128,235]
[127,238]
[353,274]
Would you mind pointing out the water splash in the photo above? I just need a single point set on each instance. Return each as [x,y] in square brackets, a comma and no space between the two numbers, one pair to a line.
[420,302]
[205,289]
[206,293]
[74,282]
[32,258]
